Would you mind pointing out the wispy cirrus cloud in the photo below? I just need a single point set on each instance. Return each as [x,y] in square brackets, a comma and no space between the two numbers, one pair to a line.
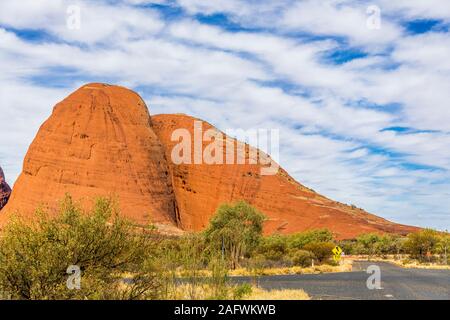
[363,113]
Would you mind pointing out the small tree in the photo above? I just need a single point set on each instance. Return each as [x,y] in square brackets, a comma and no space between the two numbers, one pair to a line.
[302,258]
[368,243]
[35,257]
[422,243]
[299,240]
[398,245]
[386,244]
[443,247]
[235,230]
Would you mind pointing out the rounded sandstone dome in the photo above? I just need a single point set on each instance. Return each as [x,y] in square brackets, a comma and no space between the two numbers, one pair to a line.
[98,142]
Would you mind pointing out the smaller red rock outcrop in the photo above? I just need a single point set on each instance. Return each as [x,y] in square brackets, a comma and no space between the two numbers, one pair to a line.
[5,190]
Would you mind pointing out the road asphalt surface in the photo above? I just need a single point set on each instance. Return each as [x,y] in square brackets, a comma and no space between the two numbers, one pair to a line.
[396,283]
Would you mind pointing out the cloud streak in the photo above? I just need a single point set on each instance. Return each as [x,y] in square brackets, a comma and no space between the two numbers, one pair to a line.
[363,114]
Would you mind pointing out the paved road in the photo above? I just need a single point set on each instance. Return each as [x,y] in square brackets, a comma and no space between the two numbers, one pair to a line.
[396,283]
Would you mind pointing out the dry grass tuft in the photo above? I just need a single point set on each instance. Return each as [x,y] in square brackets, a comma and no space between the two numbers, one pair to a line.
[345,267]
[405,262]
[417,265]
[190,292]
[206,292]
[287,294]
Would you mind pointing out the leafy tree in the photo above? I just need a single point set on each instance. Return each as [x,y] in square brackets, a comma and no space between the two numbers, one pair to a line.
[398,245]
[301,239]
[236,230]
[387,244]
[367,243]
[419,244]
[443,247]
[273,247]
[34,257]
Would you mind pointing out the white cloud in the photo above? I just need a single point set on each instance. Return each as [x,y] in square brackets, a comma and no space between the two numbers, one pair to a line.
[24,107]
[98,21]
[418,9]
[333,137]
[341,18]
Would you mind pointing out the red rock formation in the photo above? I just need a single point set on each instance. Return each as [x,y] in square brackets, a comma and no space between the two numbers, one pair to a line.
[5,190]
[101,141]
[289,206]
[97,142]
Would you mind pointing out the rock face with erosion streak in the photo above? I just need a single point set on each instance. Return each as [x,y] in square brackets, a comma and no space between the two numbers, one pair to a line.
[5,190]
[289,206]
[98,141]
[101,141]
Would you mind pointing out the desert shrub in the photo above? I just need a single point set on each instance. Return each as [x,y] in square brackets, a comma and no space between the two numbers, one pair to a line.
[443,247]
[398,244]
[332,262]
[301,239]
[348,246]
[289,250]
[241,291]
[260,261]
[189,270]
[235,230]
[256,265]
[34,257]
[302,258]
[419,244]
[384,245]
[406,261]
[219,280]
[321,250]
[182,258]
[373,244]
[273,247]
[367,244]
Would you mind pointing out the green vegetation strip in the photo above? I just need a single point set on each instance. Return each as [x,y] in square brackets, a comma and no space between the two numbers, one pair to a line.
[117,260]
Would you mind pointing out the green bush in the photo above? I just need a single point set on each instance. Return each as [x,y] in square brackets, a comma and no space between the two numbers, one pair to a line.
[302,258]
[367,244]
[321,250]
[241,291]
[287,250]
[34,258]
[443,247]
[301,239]
[419,244]
[374,244]
[348,246]
[388,244]
[273,247]
[219,280]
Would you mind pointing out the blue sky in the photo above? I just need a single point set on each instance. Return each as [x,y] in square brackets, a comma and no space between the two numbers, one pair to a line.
[363,113]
